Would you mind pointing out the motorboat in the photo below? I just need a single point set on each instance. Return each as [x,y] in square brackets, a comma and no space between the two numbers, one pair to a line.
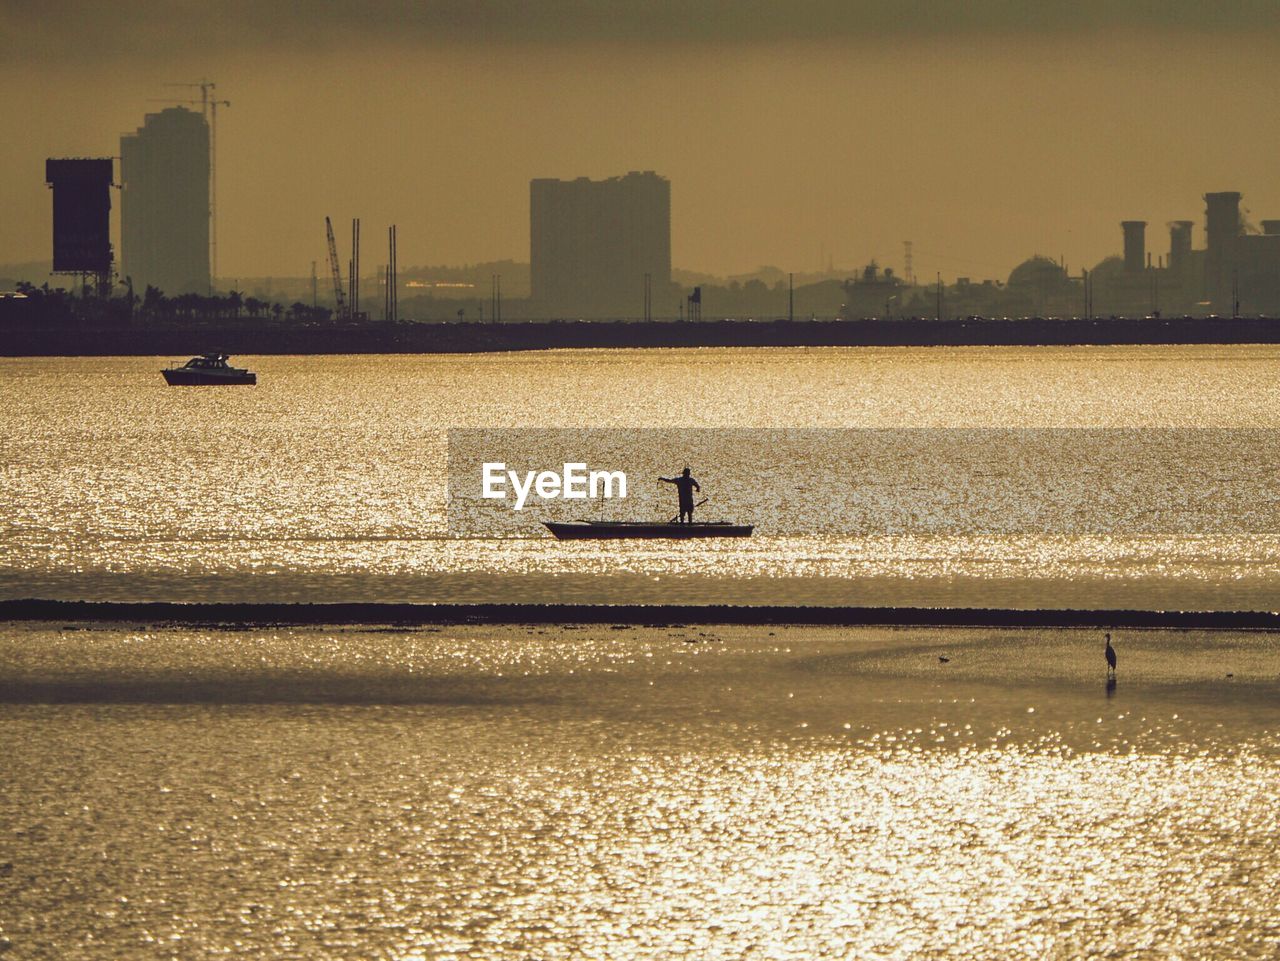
[207,370]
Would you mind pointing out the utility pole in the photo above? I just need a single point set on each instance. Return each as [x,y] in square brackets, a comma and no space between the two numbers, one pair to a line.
[314,298]
[391,310]
[355,267]
[791,297]
[395,275]
[938,314]
[391,273]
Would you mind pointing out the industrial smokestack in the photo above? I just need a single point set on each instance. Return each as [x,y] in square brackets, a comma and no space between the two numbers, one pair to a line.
[1222,228]
[1135,245]
[1222,217]
[1180,243]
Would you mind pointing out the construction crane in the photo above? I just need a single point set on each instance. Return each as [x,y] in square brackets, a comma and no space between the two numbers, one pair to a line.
[209,110]
[340,301]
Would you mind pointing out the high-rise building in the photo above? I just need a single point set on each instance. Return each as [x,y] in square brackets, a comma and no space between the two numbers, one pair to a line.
[600,248]
[164,203]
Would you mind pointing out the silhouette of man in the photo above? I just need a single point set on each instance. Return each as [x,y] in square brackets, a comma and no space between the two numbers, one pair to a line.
[685,486]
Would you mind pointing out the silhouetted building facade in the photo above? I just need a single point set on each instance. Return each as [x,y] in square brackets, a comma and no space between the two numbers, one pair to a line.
[164,203]
[876,293]
[592,242]
[1237,269]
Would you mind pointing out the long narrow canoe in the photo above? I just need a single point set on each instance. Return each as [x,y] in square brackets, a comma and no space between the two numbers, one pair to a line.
[616,530]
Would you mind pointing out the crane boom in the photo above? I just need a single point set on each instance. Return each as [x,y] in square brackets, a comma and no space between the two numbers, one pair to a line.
[340,301]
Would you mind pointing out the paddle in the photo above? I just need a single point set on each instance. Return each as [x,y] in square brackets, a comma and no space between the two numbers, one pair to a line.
[677,517]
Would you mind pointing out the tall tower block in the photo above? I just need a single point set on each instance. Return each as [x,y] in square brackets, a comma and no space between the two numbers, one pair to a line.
[164,203]
[592,243]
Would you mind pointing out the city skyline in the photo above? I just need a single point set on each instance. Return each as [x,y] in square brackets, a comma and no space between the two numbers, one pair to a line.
[982,141]
[591,241]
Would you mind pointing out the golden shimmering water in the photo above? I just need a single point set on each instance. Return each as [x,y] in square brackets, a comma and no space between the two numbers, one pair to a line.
[517,793]
[328,479]
[651,793]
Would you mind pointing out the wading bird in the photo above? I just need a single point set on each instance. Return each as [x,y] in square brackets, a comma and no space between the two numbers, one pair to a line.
[1111,656]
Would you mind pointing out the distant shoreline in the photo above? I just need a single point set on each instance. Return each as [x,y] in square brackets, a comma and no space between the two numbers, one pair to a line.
[456,338]
[624,614]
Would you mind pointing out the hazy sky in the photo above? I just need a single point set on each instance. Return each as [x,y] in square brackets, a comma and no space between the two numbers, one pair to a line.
[984,131]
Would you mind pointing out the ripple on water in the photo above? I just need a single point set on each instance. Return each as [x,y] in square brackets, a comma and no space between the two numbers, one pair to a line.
[328,479]
[745,795]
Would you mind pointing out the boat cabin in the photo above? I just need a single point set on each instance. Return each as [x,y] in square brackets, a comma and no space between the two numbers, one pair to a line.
[208,362]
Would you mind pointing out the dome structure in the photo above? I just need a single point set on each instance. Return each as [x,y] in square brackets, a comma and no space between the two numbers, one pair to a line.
[1107,269]
[1039,272]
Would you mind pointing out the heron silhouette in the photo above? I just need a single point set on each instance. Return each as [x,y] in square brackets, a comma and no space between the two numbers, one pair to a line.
[1111,656]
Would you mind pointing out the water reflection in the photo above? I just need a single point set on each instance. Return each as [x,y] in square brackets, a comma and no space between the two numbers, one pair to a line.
[791,793]
[116,487]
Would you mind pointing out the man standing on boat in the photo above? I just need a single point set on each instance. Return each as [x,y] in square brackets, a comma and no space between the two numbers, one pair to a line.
[685,486]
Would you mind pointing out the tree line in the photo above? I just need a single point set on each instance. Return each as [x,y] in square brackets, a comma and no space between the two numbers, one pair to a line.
[45,304]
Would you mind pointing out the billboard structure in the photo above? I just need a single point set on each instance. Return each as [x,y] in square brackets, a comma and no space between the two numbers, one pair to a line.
[81,215]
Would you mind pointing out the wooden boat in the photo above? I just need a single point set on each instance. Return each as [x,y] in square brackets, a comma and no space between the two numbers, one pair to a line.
[618,530]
